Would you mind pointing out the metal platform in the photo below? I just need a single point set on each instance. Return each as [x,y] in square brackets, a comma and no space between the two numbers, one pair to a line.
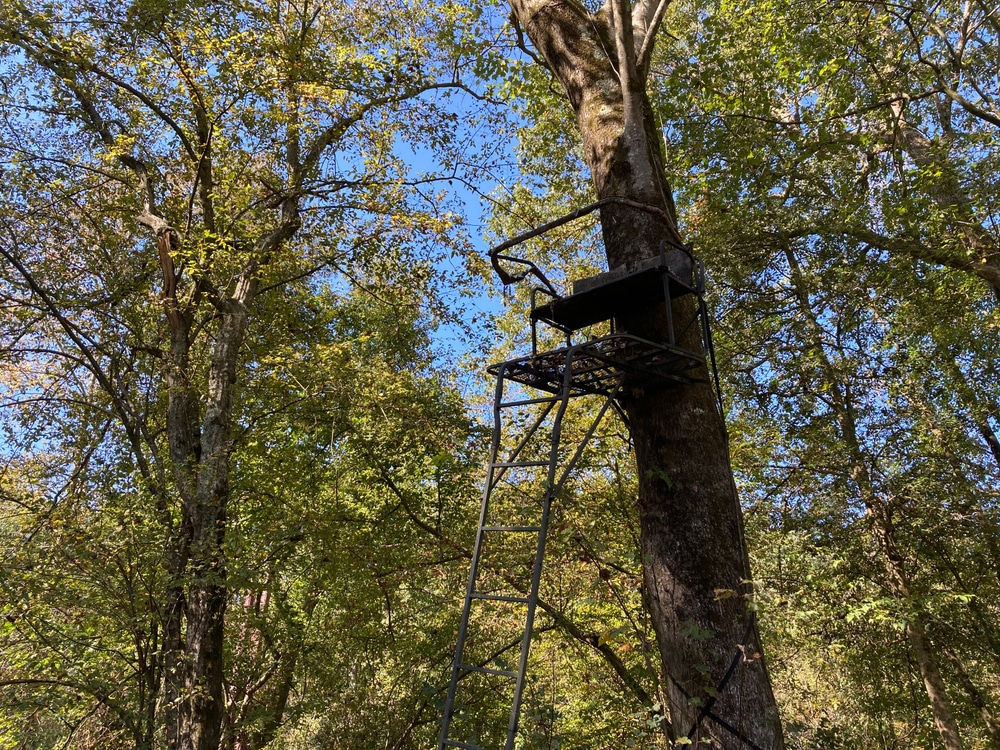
[600,364]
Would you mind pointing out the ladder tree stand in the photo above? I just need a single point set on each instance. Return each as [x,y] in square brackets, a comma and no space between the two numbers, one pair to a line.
[530,462]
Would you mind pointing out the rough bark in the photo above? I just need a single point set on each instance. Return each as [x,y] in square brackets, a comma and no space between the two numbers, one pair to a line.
[200,460]
[199,429]
[695,563]
[199,426]
[194,607]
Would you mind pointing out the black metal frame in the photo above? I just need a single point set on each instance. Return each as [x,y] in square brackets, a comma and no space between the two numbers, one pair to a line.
[602,367]
[581,309]
[556,473]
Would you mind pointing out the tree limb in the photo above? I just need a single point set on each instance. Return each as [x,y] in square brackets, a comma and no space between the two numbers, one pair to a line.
[946,89]
[53,58]
[650,25]
[560,618]
[125,415]
[523,45]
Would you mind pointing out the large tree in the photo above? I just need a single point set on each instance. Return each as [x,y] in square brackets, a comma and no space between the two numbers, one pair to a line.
[861,136]
[170,169]
[695,563]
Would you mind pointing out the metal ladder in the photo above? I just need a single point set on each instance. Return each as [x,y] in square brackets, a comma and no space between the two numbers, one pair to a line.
[527,451]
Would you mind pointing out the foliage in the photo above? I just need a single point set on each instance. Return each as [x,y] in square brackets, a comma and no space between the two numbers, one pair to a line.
[834,166]
[197,195]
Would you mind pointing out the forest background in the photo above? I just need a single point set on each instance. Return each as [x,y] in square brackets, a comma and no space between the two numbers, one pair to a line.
[243,341]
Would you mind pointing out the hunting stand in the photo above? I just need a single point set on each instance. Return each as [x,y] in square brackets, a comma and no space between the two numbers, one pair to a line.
[529,463]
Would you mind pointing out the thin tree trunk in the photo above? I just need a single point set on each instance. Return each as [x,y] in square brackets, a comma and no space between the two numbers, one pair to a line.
[916,633]
[976,697]
[882,526]
[980,413]
[198,432]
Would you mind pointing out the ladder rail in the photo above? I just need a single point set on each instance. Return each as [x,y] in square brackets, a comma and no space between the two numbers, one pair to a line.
[470,588]
[554,486]
[495,474]
[557,473]
[536,570]
[497,470]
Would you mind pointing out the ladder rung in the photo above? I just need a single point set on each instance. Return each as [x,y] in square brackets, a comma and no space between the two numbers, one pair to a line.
[487,670]
[456,743]
[501,598]
[529,401]
[524,529]
[516,464]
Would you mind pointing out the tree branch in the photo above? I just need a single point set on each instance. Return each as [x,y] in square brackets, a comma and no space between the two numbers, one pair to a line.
[523,45]
[337,129]
[56,60]
[592,640]
[946,89]
[125,416]
[650,28]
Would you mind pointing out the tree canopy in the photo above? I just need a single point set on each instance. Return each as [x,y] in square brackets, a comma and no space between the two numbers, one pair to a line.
[242,454]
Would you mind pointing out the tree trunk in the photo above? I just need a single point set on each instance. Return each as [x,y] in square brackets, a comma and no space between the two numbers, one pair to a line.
[695,563]
[916,631]
[198,430]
